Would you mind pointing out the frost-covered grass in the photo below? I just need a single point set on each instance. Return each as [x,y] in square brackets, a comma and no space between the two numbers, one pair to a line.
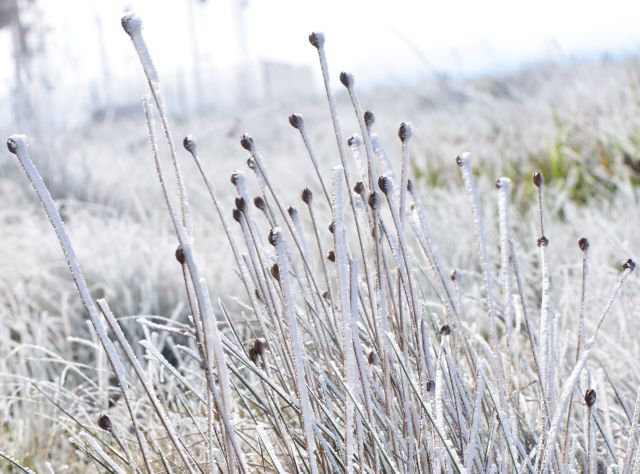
[398,311]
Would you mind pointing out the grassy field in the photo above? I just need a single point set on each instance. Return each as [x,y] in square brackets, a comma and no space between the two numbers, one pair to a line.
[448,326]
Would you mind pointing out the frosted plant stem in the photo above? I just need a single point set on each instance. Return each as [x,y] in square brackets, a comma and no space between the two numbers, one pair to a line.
[503,185]
[297,122]
[203,307]
[571,381]
[132,25]
[342,263]
[404,133]
[472,192]
[308,418]
[632,441]
[17,145]
[475,424]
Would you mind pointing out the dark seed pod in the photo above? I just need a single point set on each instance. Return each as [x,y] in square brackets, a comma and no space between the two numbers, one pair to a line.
[346,79]
[629,265]
[247,143]
[354,140]
[331,256]
[234,178]
[12,145]
[454,275]
[104,422]
[583,243]
[369,118]
[405,132]
[358,188]
[459,160]
[372,358]
[241,204]
[316,39]
[275,271]
[258,295]
[131,23]
[256,350]
[274,236]
[590,397]
[385,184]
[326,296]
[332,227]
[445,330]
[237,214]
[292,211]
[259,203]
[296,121]
[189,143]
[180,255]
[410,185]
[538,179]
[431,385]
[543,241]
[498,183]
[374,200]
[307,196]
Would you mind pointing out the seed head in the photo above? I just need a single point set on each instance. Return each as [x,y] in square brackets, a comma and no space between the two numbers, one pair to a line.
[372,358]
[445,330]
[385,183]
[275,235]
[131,23]
[237,177]
[241,204]
[374,200]
[358,188]
[259,203]
[454,275]
[316,39]
[431,385]
[296,121]
[247,143]
[410,185]
[538,179]
[180,255]
[275,271]
[590,397]
[332,227]
[542,241]
[104,422]
[405,131]
[331,256]
[256,350]
[354,140]
[369,118]
[292,211]
[307,196]
[237,215]
[463,158]
[347,79]
[326,296]
[583,243]
[629,265]
[190,144]
[12,145]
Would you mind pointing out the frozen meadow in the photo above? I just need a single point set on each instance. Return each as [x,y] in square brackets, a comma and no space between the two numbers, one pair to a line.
[417,309]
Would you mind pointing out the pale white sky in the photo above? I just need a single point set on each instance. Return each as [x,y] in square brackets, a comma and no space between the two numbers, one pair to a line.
[363,36]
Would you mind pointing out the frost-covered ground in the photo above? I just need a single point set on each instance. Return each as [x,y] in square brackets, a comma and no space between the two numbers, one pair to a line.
[577,123]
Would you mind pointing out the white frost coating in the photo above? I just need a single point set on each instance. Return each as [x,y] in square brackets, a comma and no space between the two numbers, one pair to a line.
[503,218]
[472,193]
[378,150]
[308,417]
[96,446]
[475,424]
[269,448]
[354,143]
[632,441]
[404,178]
[343,284]
[569,385]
